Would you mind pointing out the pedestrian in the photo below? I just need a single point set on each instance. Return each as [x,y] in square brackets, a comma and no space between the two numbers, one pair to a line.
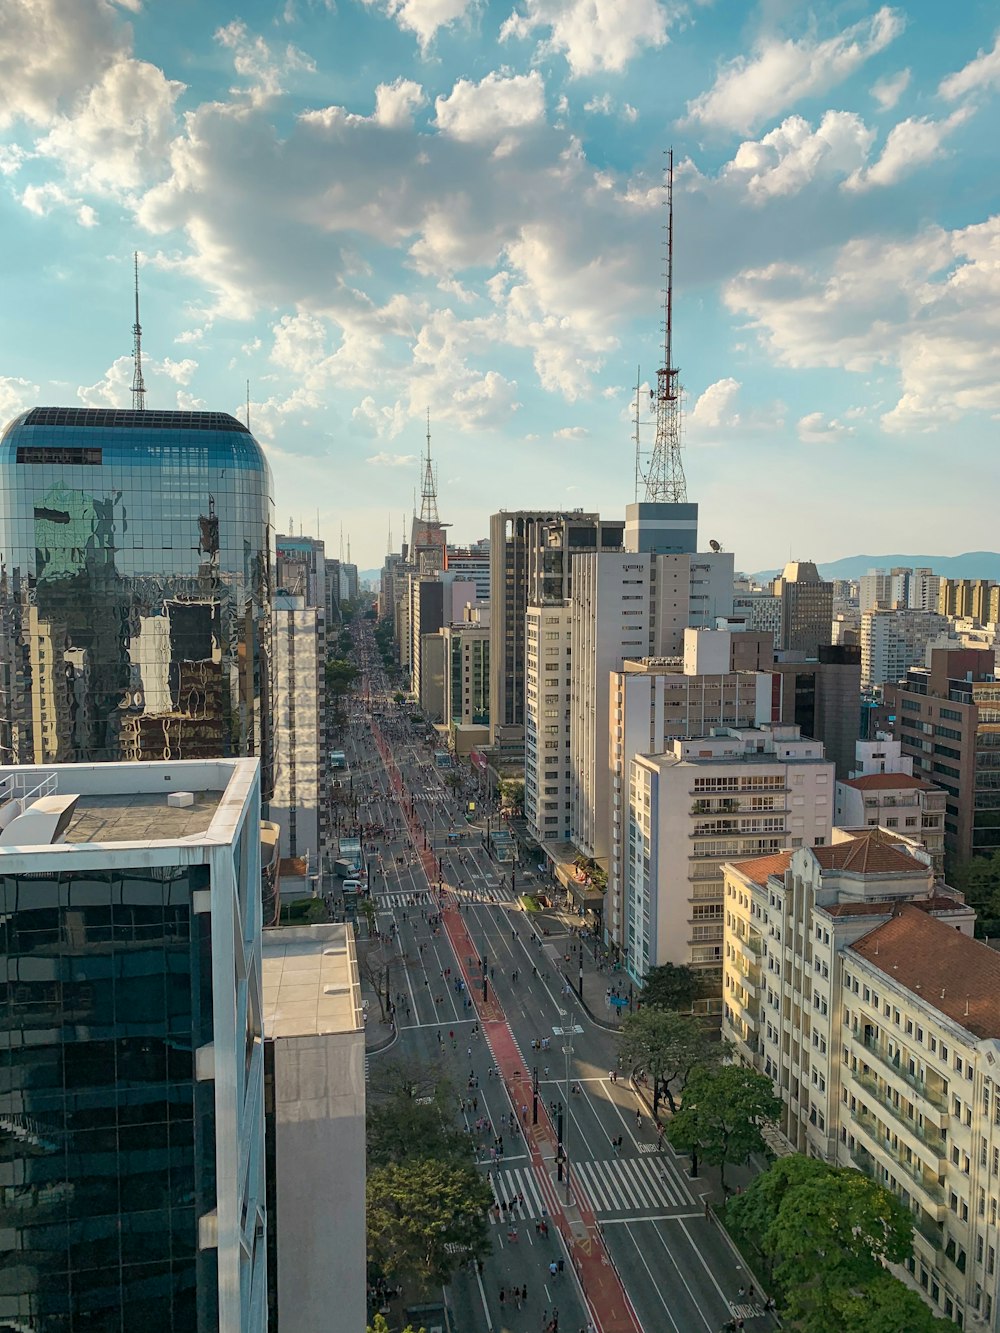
[524,1293]
[503,1295]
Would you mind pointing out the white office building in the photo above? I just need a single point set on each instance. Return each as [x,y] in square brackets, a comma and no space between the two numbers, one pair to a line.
[131,901]
[893,640]
[733,794]
[300,770]
[547,774]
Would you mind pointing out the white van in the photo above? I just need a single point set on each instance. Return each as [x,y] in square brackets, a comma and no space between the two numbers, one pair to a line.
[353,886]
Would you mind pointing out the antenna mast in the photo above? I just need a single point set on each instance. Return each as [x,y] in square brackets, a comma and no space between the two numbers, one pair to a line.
[665,481]
[138,384]
[428,494]
[635,434]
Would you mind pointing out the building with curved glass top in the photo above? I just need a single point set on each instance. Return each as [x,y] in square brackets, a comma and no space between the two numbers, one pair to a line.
[134,587]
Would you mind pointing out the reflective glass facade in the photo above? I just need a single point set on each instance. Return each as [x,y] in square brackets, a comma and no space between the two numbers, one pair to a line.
[134,587]
[107,1141]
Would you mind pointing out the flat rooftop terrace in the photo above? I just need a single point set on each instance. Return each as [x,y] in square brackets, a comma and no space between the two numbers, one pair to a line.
[140,817]
[310,978]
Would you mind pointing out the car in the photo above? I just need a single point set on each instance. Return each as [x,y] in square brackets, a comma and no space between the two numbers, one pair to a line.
[353,886]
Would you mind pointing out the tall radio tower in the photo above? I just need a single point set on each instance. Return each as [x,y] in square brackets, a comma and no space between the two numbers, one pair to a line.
[138,384]
[664,478]
[428,493]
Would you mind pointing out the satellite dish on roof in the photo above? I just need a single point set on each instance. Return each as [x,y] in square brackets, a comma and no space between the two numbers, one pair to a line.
[716,546]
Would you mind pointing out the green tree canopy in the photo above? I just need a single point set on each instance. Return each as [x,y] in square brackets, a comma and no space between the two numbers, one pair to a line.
[884,1305]
[755,1211]
[669,1046]
[340,675]
[426,1218]
[672,986]
[979,879]
[723,1113]
[401,1129]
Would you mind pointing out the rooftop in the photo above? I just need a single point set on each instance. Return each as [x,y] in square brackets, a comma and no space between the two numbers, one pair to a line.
[129,419]
[888,782]
[141,817]
[761,868]
[958,976]
[884,907]
[310,979]
[868,853]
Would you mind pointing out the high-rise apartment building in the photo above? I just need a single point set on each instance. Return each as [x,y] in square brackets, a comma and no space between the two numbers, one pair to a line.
[736,793]
[761,611]
[893,640]
[531,564]
[547,772]
[948,722]
[299,805]
[655,701]
[806,608]
[131,1108]
[822,697]
[853,982]
[300,568]
[472,564]
[135,601]
[467,670]
[974,598]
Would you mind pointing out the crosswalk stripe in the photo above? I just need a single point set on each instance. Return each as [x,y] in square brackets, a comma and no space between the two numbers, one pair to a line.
[597,1185]
[632,1183]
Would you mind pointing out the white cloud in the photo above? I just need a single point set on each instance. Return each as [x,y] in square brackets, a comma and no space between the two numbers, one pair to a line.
[16,394]
[911,144]
[980,75]
[752,89]
[925,308]
[396,102]
[788,158]
[192,337]
[571,433]
[392,460]
[114,388]
[888,90]
[116,137]
[52,51]
[424,17]
[717,405]
[43,199]
[817,429]
[593,34]
[264,71]
[600,106]
[493,108]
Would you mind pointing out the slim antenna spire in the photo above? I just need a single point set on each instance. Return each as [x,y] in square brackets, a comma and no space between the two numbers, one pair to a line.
[388,549]
[635,436]
[138,384]
[348,548]
[665,481]
[428,494]
[342,541]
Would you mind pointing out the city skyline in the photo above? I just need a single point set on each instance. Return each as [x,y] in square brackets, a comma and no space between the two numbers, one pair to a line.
[400,206]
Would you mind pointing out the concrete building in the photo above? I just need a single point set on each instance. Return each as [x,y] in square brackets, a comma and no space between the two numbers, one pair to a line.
[841,968]
[300,758]
[630,605]
[948,722]
[314,1098]
[972,598]
[736,793]
[655,701]
[531,564]
[136,598]
[472,564]
[806,608]
[846,629]
[925,590]
[761,611]
[822,697]
[300,568]
[467,671]
[899,802]
[131,899]
[547,772]
[893,640]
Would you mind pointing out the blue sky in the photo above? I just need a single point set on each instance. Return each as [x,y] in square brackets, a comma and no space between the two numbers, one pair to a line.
[372,208]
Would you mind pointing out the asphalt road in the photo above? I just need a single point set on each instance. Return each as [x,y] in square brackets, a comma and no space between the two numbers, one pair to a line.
[679,1270]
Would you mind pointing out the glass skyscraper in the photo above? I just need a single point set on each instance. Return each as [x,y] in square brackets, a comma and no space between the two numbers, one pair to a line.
[134,587]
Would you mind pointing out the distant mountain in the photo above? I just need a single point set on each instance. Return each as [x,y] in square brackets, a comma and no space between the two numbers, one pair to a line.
[369,575]
[971,565]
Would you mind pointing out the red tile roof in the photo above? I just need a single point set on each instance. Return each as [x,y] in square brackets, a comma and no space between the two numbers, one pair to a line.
[761,868]
[871,852]
[939,903]
[955,975]
[888,782]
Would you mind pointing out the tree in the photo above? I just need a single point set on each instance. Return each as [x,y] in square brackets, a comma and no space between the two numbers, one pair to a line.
[834,1231]
[670,986]
[511,793]
[380,1326]
[979,880]
[754,1212]
[412,1077]
[722,1116]
[401,1130]
[669,1046]
[376,961]
[884,1305]
[426,1218]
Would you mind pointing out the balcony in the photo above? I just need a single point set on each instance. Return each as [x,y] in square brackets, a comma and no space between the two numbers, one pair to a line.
[936,1095]
[930,1138]
[893,1158]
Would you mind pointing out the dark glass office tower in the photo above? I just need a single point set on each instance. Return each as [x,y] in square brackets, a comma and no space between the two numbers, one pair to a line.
[134,587]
